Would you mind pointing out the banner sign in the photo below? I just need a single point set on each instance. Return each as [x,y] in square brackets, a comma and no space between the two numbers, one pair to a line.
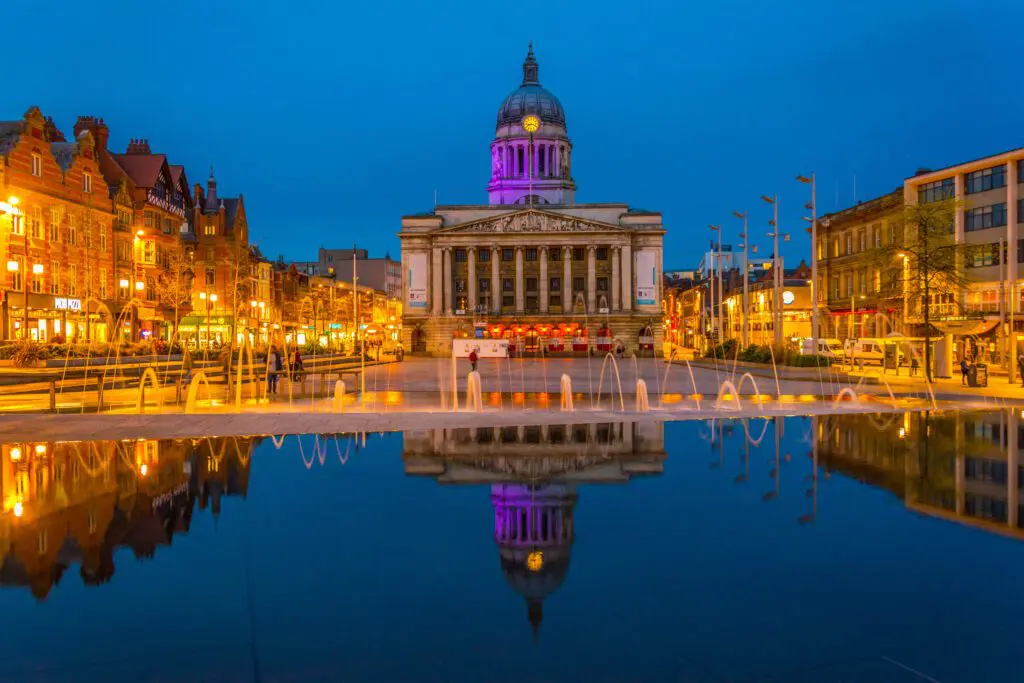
[416,277]
[485,348]
[646,287]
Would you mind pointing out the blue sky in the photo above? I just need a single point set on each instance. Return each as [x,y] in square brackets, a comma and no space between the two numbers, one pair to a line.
[335,118]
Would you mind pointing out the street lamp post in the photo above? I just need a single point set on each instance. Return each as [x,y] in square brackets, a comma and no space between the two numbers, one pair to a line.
[746,275]
[531,124]
[776,269]
[721,289]
[210,299]
[813,206]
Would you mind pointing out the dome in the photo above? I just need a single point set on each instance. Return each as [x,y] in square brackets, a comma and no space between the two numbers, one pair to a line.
[530,98]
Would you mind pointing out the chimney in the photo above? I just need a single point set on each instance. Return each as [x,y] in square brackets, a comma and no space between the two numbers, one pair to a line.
[138,146]
[922,171]
[99,130]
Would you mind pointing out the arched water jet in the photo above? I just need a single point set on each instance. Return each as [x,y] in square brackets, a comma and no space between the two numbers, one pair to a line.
[339,397]
[642,403]
[778,389]
[618,379]
[566,389]
[728,389]
[474,395]
[743,378]
[155,383]
[845,391]
[252,374]
[193,390]
[696,394]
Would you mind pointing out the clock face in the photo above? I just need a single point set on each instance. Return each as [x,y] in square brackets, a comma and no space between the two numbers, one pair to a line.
[788,298]
[531,123]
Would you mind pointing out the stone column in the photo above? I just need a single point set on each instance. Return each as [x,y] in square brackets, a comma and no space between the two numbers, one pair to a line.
[543,279]
[616,287]
[495,280]
[958,223]
[471,278]
[591,279]
[437,284]
[567,302]
[627,277]
[519,280]
[447,281]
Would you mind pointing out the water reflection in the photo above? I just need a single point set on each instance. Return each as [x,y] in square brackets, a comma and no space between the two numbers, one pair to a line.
[535,473]
[70,502]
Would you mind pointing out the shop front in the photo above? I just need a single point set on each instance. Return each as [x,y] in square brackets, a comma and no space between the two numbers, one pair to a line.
[200,331]
[55,318]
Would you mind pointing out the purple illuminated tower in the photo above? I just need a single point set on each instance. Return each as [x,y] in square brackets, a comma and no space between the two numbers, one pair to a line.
[534,531]
[511,162]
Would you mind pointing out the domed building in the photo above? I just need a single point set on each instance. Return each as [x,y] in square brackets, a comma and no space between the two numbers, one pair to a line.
[532,269]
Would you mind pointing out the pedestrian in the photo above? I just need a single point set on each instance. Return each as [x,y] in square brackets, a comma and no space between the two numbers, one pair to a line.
[965,368]
[273,368]
[1020,367]
[186,366]
[472,360]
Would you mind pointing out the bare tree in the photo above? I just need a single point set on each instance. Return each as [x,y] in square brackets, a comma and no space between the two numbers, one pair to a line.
[174,285]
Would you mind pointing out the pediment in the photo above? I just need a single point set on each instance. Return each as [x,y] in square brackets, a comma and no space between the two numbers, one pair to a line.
[531,221]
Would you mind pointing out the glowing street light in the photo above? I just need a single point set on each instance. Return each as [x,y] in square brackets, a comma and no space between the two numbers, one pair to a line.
[531,124]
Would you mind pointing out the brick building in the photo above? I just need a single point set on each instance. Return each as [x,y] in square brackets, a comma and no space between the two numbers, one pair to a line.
[56,232]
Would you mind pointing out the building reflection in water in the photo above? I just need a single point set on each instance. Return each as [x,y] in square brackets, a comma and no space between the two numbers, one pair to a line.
[963,467]
[70,502]
[534,473]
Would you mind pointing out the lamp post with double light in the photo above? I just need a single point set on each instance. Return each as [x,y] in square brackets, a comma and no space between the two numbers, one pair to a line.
[746,274]
[721,290]
[813,206]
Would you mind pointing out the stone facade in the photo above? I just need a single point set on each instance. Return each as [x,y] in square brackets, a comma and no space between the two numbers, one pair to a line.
[534,267]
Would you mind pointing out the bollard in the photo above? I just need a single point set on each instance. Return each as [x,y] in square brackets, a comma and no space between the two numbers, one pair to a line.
[53,394]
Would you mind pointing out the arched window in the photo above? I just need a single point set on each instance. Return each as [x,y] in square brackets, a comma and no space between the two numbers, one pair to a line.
[519,160]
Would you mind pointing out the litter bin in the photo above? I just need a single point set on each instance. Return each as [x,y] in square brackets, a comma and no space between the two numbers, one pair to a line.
[977,375]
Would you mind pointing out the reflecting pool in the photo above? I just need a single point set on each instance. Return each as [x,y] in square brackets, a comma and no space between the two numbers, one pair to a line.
[843,548]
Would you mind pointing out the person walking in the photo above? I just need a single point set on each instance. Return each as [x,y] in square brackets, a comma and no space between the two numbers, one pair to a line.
[472,360]
[273,368]
[965,368]
[1020,367]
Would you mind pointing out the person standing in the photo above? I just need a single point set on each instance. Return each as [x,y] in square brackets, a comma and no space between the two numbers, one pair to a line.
[1020,367]
[472,360]
[186,366]
[965,368]
[273,368]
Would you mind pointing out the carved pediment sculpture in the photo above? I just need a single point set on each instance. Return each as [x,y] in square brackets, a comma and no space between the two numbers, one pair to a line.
[531,221]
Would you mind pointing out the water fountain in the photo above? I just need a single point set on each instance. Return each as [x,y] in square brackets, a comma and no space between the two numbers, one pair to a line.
[600,382]
[727,391]
[339,396]
[566,389]
[778,389]
[642,403]
[454,383]
[845,391]
[253,380]
[193,390]
[474,395]
[155,383]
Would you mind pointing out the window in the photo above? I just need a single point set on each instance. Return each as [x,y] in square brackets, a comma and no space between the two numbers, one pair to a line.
[863,239]
[460,255]
[933,192]
[123,220]
[507,285]
[555,253]
[55,219]
[821,250]
[555,300]
[849,243]
[876,282]
[72,229]
[124,250]
[72,280]
[602,284]
[37,164]
[104,244]
[149,218]
[86,182]
[835,247]
[209,229]
[485,284]
[555,284]
[168,226]
[984,255]
[862,281]
[483,254]
[602,253]
[531,284]
[54,277]
[983,217]
[150,288]
[531,303]
[989,179]
[876,235]
[577,284]
[577,253]
[506,255]
[36,284]
[103,283]
[849,284]
[460,285]
[148,251]
[209,277]
[531,254]
[35,223]
[16,274]
[507,301]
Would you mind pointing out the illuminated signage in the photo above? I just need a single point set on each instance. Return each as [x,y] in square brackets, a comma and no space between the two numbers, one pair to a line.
[61,303]
[787,297]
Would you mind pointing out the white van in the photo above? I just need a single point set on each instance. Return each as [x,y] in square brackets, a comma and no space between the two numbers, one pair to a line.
[868,351]
[830,348]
